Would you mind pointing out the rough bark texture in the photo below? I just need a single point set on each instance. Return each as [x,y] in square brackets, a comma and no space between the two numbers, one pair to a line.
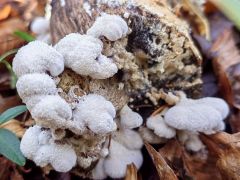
[157,55]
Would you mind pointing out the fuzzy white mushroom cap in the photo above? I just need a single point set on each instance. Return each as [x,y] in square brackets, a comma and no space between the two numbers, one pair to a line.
[115,164]
[98,172]
[129,138]
[191,141]
[160,128]
[129,118]
[202,115]
[113,27]
[35,84]
[40,25]
[96,113]
[38,146]
[82,53]
[29,143]
[52,112]
[150,137]
[38,57]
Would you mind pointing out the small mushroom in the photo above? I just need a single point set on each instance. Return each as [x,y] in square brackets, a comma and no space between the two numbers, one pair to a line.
[205,115]
[115,164]
[82,53]
[96,113]
[38,57]
[35,84]
[191,141]
[52,112]
[129,138]
[41,27]
[113,27]
[38,145]
[160,128]
[130,119]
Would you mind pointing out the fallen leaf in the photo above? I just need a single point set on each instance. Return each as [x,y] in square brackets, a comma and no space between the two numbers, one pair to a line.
[14,126]
[5,12]
[163,169]
[131,173]
[226,147]
[196,166]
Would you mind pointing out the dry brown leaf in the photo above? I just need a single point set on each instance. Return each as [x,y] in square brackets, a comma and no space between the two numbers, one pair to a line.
[8,170]
[227,149]
[8,102]
[163,169]
[131,173]
[5,12]
[193,12]
[8,40]
[189,166]
[14,126]
[226,64]
[197,18]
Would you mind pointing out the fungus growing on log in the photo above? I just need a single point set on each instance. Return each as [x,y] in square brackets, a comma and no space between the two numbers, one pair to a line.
[112,64]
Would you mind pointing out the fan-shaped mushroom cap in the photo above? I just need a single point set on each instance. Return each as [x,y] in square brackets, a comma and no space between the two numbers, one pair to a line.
[38,57]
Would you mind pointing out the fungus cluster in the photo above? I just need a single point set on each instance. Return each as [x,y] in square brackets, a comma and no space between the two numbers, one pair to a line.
[125,147]
[89,127]
[41,27]
[188,117]
[37,66]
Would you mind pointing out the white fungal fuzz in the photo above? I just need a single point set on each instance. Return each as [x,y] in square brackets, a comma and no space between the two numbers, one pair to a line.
[113,29]
[125,148]
[82,53]
[39,146]
[130,119]
[150,137]
[41,27]
[191,141]
[129,138]
[115,164]
[96,113]
[35,84]
[205,115]
[160,128]
[98,172]
[52,112]
[38,57]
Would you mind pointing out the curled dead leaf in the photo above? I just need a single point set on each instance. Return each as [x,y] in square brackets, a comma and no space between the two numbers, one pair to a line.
[197,166]
[14,126]
[226,147]
[163,169]
[131,173]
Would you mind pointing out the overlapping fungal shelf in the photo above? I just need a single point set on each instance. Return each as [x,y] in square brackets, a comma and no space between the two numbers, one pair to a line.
[86,93]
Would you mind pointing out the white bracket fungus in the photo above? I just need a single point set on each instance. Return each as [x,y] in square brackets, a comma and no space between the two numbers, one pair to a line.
[160,128]
[191,141]
[38,146]
[112,27]
[125,148]
[130,119]
[38,57]
[41,27]
[45,143]
[96,113]
[204,115]
[82,53]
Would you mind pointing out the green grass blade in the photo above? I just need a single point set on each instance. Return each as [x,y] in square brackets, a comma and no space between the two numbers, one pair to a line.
[10,147]
[25,36]
[8,53]
[12,113]
[231,8]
